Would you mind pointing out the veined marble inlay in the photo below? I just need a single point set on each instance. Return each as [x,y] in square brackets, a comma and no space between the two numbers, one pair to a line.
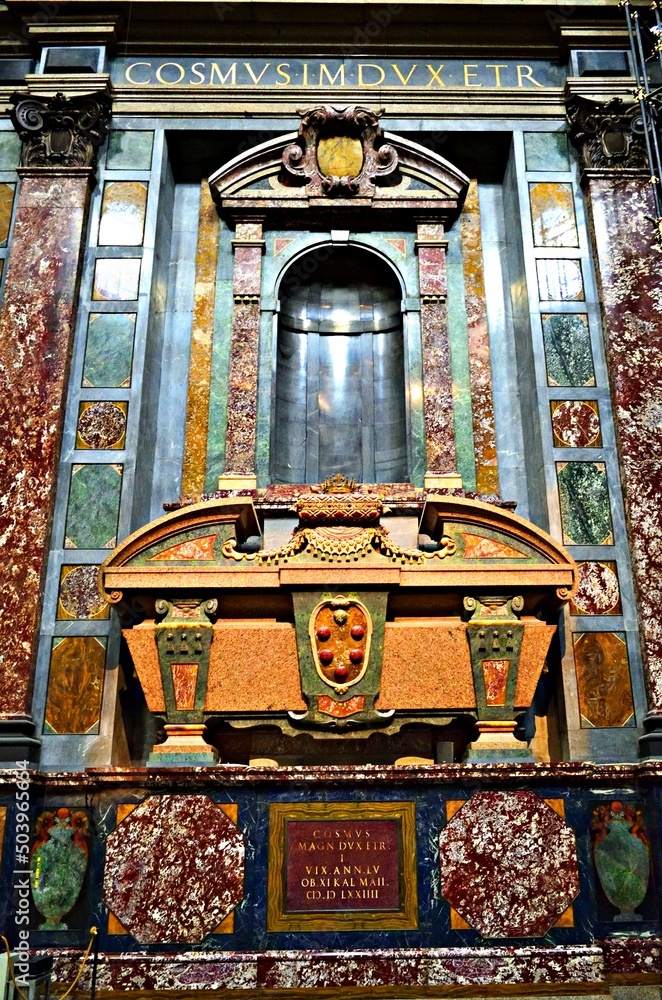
[508,864]
[576,423]
[174,869]
[603,679]
[598,592]
[630,278]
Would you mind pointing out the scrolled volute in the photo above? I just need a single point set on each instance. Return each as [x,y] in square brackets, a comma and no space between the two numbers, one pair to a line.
[61,131]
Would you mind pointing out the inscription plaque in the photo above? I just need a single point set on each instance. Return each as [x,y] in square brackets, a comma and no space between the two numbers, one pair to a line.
[342,865]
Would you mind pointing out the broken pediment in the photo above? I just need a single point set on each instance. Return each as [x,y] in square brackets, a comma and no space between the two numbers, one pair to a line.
[339,157]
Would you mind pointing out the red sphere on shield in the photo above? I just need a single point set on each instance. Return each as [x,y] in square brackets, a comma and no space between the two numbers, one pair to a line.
[356,655]
[323,633]
[341,673]
[326,656]
[357,632]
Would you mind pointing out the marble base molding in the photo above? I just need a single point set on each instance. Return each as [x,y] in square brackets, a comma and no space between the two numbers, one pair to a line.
[398,973]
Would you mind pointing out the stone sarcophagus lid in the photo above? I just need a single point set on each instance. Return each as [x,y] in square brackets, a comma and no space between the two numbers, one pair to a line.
[344,627]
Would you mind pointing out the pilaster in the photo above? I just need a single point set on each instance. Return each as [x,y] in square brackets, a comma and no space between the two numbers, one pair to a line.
[431,247]
[628,257]
[248,246]
[61,137]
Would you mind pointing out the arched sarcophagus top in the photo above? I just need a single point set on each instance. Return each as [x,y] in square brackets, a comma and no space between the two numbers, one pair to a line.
[476,545]
[339,158]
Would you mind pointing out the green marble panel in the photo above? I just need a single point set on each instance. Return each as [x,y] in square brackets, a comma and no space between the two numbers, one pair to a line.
[568,352]
[584,499]
[10,150]
[220,361]
[94,503]
[109,350]
[546,151]
[129,150]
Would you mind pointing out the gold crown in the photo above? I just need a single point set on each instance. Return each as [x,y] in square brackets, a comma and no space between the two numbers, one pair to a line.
[337,503]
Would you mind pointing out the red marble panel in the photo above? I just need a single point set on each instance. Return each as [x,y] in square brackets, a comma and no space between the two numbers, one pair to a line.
[36,324]
[367,876]
[437,388]
[495,673]
[432,270]
[508,864]
[242,393]
[184,680]
[576,424]
[598,592]
[629,268]
[417,968]
[174,869]
[242,389]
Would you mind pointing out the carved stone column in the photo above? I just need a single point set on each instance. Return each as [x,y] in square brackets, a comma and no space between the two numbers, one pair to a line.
[437,378]
[242,386]
[628,259]
[60,137]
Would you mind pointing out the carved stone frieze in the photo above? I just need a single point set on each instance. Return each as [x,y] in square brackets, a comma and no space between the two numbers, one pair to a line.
[339,152]
[61,131]
[608,135]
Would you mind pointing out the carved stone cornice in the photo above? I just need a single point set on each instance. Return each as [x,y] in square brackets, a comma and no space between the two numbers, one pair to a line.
[339,151]
[608,135]
[60,131]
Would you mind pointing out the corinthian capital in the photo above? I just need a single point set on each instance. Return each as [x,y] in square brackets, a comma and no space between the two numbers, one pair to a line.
[61,131]
[607,135]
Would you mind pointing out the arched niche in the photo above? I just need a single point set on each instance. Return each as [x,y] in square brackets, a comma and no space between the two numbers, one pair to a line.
[339,385]
[339,175]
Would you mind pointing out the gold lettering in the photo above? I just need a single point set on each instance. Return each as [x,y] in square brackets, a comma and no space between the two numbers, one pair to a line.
[404,80]
[340,72]
[467,74]
[231,73]
[434,75]
[136,83]
[363,83]
[255,79]
[497,67]
[305,75]
[159,73]
[280,69]
[198,73]
[521,76]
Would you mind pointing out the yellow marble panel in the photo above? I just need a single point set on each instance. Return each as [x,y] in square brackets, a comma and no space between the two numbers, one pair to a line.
[6,204]
[75,685]
[340,156]
[202,336]
[553,215]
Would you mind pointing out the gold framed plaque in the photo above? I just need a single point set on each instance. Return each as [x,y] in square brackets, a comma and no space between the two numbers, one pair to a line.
[337,866]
